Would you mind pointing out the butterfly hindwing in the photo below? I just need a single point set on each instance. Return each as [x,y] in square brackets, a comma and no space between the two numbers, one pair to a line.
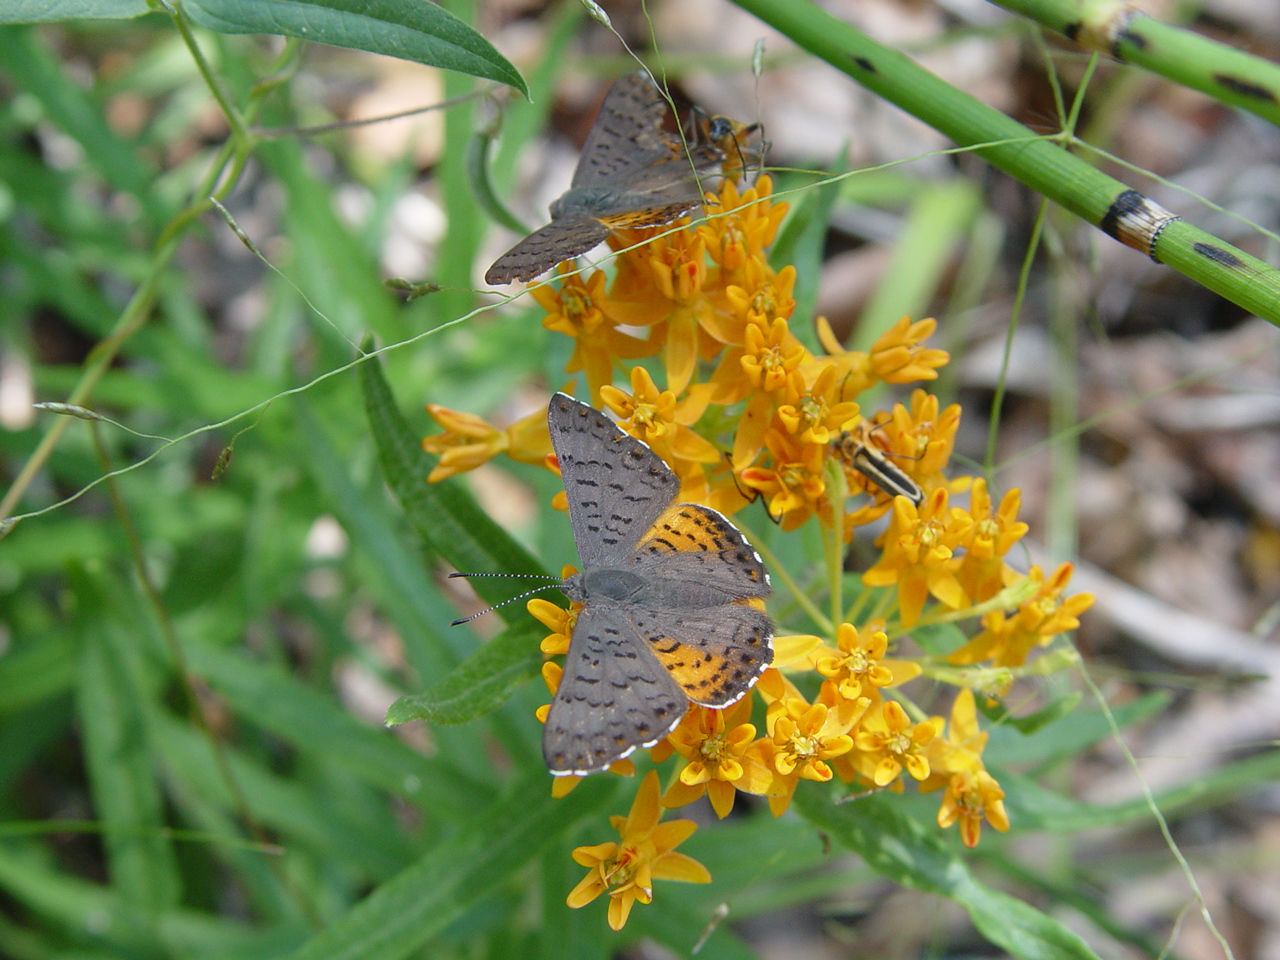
[715,654]
[614,696]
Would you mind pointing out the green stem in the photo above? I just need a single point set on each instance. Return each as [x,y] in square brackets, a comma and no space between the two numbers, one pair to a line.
[997,400]
[780,572]
[1038,162]
[1115,29]
[218,181]
[239,132]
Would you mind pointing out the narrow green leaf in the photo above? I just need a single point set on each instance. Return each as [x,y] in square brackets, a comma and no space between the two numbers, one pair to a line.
[1069,736]
[801,243]
[1029,724]
[419,30]
[94,914]
[126,793]
[444,515]
[366,839]
[907,853]
[421,613]
[479,685]
[411,910]
[282,704]
[45,11]
[35,672]
[478,173]
[1031,807]
[940,217]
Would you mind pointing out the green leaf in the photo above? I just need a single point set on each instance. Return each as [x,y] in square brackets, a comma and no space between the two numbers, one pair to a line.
[29,63]
[940,217]
[446,518]
[409,911]
[1065,739]
[1031,807]
[1029,724]
[479,685]
[908,853]
[377,531]
[50,11]
[801,242]
[363,838]
[415,30]
[278,702]
[117,686]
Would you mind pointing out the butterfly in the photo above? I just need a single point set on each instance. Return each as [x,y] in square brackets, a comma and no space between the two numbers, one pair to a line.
[665,589]
[631,173]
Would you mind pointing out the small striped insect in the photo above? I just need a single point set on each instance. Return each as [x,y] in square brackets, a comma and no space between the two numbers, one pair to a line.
[855,449]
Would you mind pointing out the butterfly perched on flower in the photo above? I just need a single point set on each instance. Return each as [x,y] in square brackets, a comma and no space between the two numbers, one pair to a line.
[631,173]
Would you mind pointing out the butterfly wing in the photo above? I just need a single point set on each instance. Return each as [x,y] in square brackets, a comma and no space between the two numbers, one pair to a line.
[627,135]
[617,487]
[562,239]
[700,568]
[614,696]
[693,544]
[715,655]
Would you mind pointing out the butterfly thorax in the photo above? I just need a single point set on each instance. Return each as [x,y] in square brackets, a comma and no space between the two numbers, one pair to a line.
[604,583]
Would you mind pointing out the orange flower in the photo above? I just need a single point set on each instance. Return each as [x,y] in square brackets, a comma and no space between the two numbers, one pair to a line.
[916,555]
[889,742]
[859,667]
[896,357]
[899,357]
[808,413]
[742,224]
[802,737]
[581,310]
[556,619]
[657,418]
[970,795]
[715,742]
[469,440]
[626,870]
[982,569]
[1008,640]
[793,485]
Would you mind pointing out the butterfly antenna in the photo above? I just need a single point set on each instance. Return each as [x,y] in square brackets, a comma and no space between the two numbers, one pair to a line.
[555,582]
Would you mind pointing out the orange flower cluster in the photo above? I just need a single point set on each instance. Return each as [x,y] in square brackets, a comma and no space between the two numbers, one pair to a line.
[748,411]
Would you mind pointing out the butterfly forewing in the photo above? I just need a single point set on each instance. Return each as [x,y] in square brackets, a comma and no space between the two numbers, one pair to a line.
[631,173]
[537,253]
[616,486]
[692,543]
[627,134]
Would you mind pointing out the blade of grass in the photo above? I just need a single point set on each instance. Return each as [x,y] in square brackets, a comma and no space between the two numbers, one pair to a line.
[405,914]
[118,753]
